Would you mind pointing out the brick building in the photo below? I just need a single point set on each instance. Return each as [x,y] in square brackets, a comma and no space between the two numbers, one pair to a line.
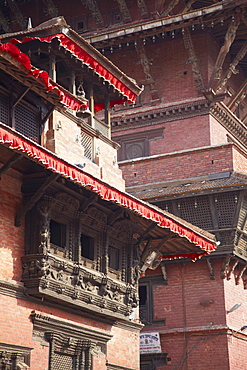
[183,148]
[73,243]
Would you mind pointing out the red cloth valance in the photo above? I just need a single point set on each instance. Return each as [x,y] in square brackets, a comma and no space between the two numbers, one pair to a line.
[87,59]
[50,161]
[24,60]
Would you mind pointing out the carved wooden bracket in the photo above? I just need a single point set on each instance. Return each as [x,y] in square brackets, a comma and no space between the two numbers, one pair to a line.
[193,60]
[229,38]
[211,269]
[9,163]
[30,204]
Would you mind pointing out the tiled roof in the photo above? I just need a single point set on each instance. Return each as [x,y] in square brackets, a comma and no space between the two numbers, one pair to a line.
[225,181]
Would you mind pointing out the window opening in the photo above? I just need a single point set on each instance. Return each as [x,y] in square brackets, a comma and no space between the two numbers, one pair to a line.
[87,247]
[57,234]
[113,258]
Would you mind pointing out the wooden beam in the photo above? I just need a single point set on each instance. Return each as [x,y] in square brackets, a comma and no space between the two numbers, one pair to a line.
[51,9]
[170,7]
[211,269]
[142,6]
[193,60]
[18,99]
[188,6]
[229,38]
[4,23]
[9,163]
[238,96]
[31,203]
[47,115]
[232,67]
[115,216]
[20,19]
[93,6]
[146,232]
[88,202]
[124,11]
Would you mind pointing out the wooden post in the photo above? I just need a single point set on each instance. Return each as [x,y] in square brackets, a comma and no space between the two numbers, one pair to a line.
[91,105]
[52,70]
[108,115]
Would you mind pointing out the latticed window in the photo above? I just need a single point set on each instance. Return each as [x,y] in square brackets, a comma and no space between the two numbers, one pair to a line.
[63,362]
[87,143]
[27,121]
[4,108]
[197,211]
[225,205]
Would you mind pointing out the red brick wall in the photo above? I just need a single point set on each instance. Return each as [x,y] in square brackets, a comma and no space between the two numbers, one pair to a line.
[178,166]
[179,303]
[15,324]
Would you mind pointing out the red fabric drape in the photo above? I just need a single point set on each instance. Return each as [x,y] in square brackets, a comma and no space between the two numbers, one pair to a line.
[57,165]
[24,60]
[81,54]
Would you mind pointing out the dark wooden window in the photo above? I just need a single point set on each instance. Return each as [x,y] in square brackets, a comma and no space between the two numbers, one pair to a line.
[87,247]
[113,258]
[27,120]
[4,108]
[57,234]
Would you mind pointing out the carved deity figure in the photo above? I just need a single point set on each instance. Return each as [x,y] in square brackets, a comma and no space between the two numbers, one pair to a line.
[44,209]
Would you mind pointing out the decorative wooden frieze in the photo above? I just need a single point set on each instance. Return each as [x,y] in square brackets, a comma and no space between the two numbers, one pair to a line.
[167,114]
[59,280]
[230,122]
[14,357]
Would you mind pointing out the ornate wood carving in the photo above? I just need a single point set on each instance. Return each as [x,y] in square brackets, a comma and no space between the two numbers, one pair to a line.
[146,63]
[46,275]
[239,274]
[30,204]
[69,342]
[20,19]
[229,38]
[142,6]
[15,157]
[4,23]
[238,97]
[211,269]
[232,68]
[93,6]
[124,11]
[14,357]
[193,60]
[50,9]
[169,7]
[188,6]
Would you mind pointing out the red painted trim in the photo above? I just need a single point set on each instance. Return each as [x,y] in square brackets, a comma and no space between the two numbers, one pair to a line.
[67,170]
[24,60]
[87,59]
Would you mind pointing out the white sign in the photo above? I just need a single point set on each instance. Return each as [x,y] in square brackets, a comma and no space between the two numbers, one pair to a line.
[150,343]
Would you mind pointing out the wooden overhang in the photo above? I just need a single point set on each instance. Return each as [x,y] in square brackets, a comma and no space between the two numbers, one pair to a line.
[156,229]
[63,39]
